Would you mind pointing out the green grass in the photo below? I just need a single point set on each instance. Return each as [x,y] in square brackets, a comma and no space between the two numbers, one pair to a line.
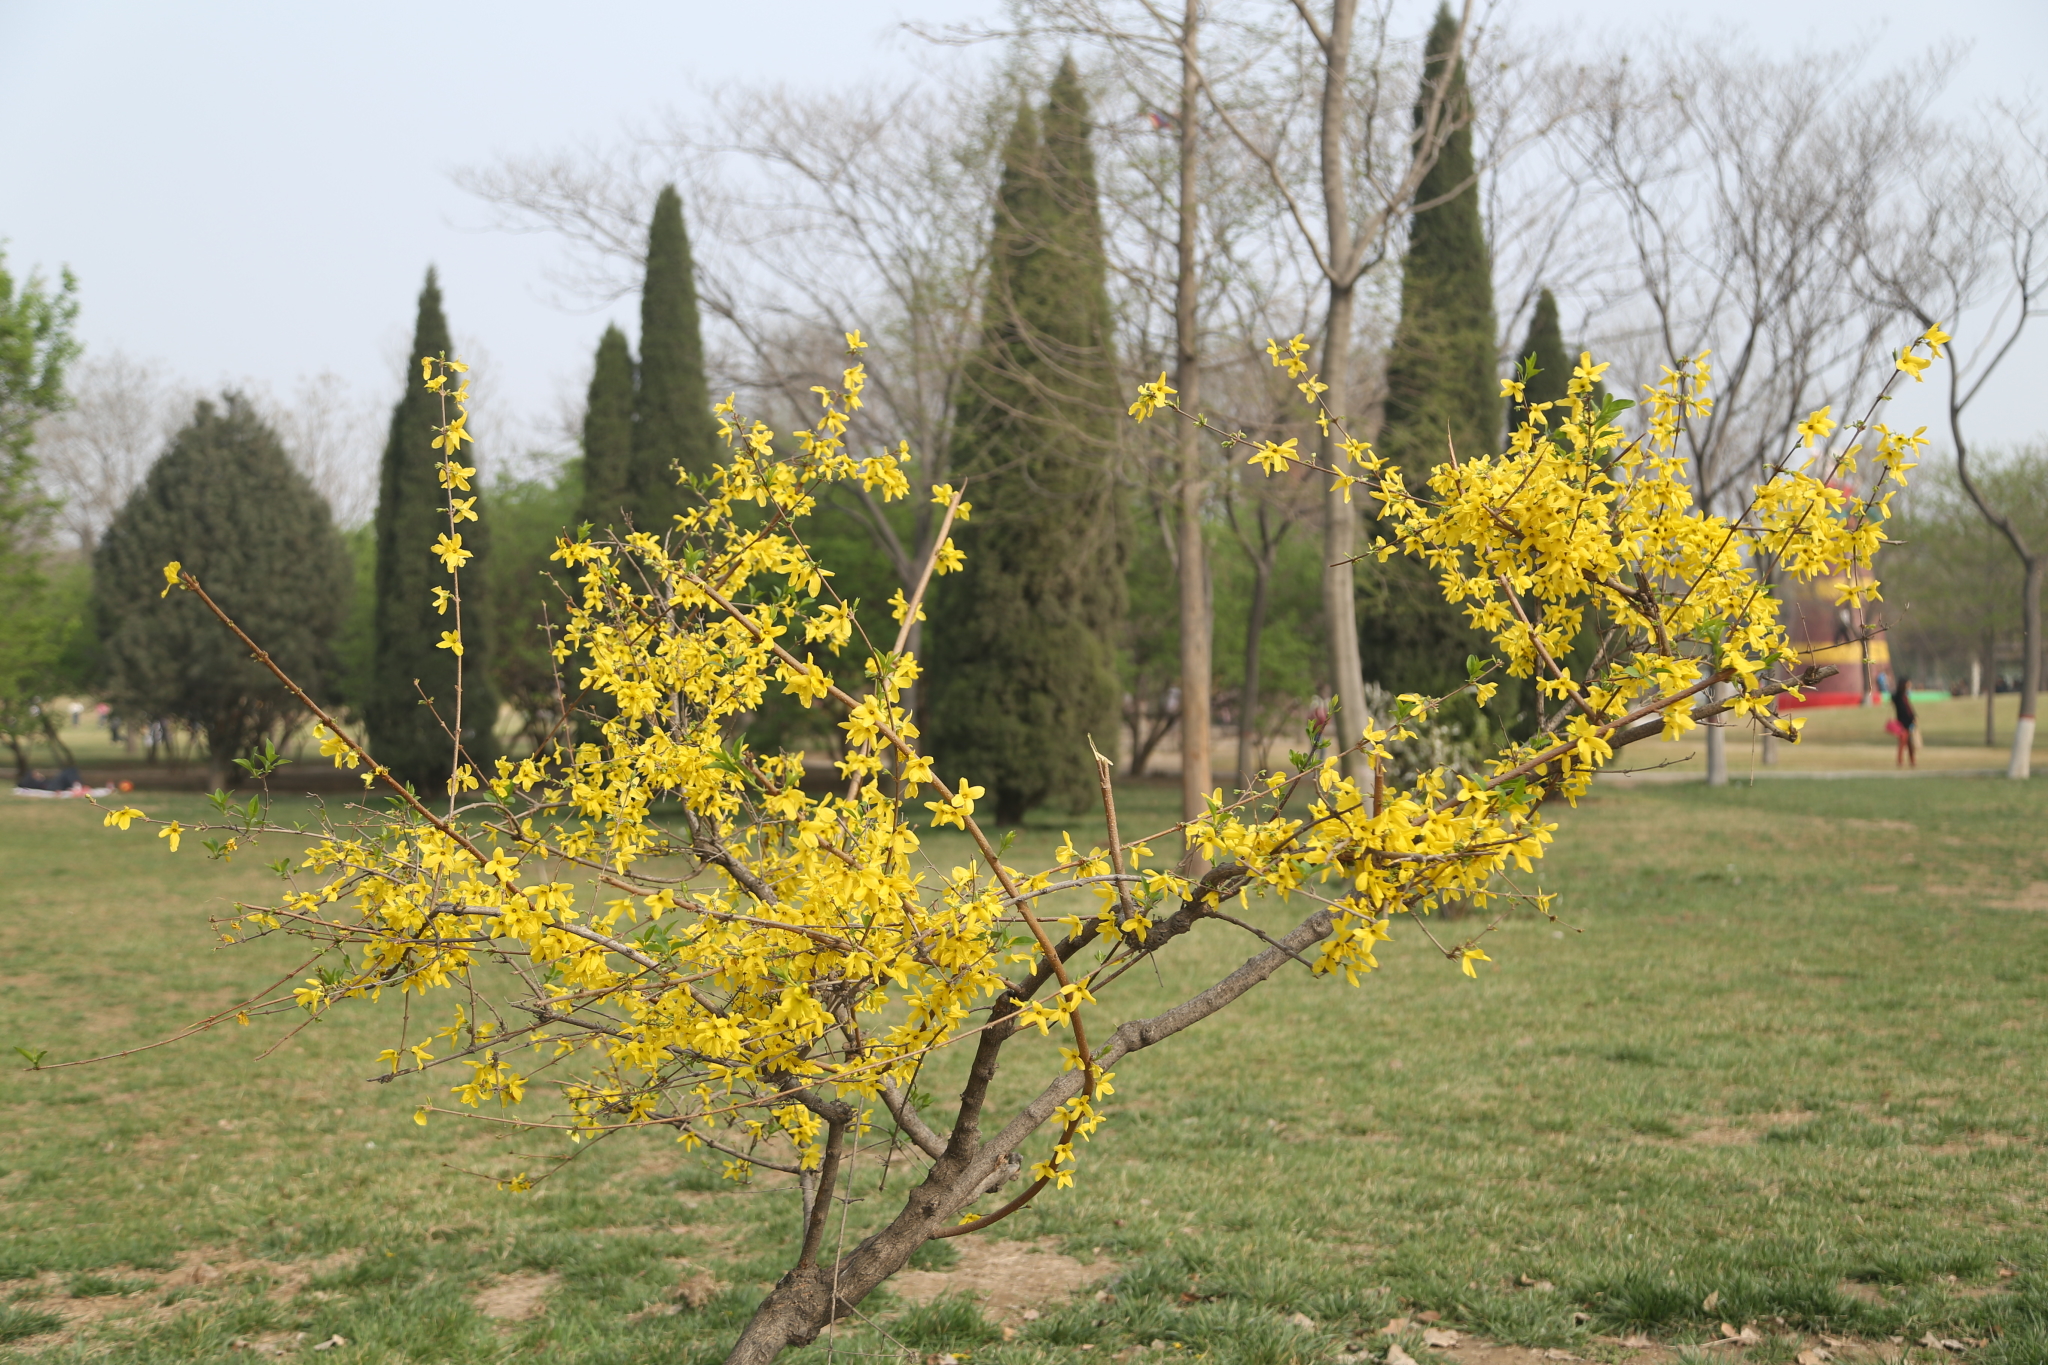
[1788,1050]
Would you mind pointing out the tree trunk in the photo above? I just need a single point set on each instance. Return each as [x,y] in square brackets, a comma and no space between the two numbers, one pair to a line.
[1249,759]
[1195,658]
[1340,518]
[1990,690]
[1340,543]
[2022,762]
[1717,744]
[804,1302]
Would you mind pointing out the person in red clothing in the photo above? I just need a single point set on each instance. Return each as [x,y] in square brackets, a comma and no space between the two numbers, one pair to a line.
[1904,723]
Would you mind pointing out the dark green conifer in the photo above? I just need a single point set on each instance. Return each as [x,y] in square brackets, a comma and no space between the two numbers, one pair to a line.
[672,426]
[406,734]
[1442,389]
[224,501]
[608,434]
[1022,658]
[1544,347]
[1441,376]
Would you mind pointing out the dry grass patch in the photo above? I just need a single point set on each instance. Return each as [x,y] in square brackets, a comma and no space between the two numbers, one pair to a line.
[1008,1279]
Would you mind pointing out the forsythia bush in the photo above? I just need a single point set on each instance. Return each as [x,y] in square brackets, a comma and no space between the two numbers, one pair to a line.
[701,943]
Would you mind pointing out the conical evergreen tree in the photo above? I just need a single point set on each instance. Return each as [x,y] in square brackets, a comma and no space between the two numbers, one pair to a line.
[1545,346]
[1441,376]
[672,426]
[225,501]
[1441,382]
[608,434]
[405,734]
[1022,659]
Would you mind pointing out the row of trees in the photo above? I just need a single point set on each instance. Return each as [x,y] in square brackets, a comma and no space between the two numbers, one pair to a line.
[351,616]
[1014,272]
[1955,590]
[1428,214]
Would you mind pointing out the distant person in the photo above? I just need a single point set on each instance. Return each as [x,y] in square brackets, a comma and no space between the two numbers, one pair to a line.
[1905,723]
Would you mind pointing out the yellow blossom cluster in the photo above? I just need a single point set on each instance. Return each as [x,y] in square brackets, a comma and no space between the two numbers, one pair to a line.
[687,932]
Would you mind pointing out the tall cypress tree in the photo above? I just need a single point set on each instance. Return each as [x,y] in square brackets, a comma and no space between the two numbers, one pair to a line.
[1022,657]
[1545,345]
[1441,382]
[672,426]
[608,433]
[406,734]
[1440,377]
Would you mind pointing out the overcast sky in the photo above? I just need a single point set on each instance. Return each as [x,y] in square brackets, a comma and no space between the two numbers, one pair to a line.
[255,190]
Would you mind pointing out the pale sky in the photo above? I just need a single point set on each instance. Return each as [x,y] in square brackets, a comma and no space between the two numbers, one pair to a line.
[255,190]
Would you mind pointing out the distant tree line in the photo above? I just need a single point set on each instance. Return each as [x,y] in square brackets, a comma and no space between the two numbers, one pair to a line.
[1016,263]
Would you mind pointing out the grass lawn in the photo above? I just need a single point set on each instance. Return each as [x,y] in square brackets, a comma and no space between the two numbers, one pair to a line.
[1788,1056]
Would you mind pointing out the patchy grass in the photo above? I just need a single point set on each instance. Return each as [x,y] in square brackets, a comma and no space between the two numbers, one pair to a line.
[1785,1055]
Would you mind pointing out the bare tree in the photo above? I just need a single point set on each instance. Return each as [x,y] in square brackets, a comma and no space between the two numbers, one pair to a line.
[1954,588]
[1968,248]
[333,435]
[863,210]
[94,454]
[1738,183]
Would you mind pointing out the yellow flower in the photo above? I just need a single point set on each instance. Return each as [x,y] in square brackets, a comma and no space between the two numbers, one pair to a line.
[1468,956]
[1292,362]
[335,747]
[448,549]
[956,811]
[949,559]
[173,831]
[442,597]
[1151,397]
[122,816]
[898,607]
[453,435]
[1818,424]
[807,684]
[1935,339]
[1274,458]
[853,341]
[462,509]
[1913,364]
[455,476]
[451,640]
[171,572]
[1585,374]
